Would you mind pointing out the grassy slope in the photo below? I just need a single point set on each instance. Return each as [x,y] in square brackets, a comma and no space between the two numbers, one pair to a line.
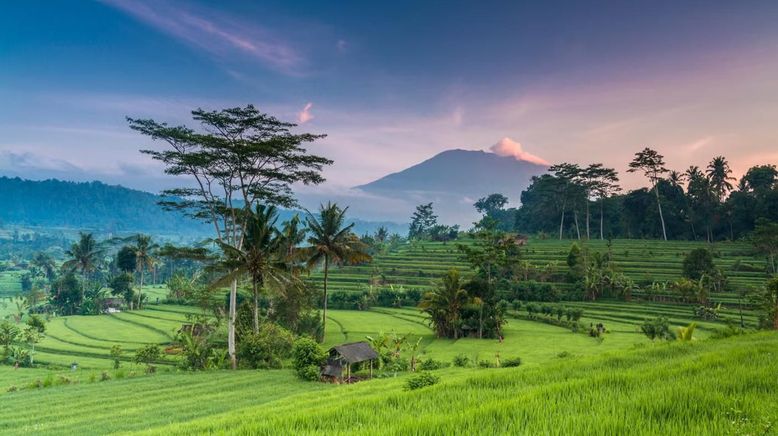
[664,389]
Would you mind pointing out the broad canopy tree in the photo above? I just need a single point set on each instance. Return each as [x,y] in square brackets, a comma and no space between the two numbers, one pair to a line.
[240,157]
[652,165]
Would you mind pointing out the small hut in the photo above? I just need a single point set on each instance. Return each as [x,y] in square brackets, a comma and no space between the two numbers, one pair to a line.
[343,356]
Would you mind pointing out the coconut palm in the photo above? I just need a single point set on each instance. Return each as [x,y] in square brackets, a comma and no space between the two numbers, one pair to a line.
[145,250]
[261,257]
[719,173]
[331,243]
[444,303]
[84,256]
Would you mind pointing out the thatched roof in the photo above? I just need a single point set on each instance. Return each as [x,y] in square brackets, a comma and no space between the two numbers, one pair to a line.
[355,352]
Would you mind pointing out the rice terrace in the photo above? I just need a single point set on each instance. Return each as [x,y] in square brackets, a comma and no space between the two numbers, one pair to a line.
[299,219]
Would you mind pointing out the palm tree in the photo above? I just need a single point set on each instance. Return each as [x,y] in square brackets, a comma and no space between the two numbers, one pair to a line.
[293,234]
[84,256]
[332,242]
[676,178]
[719,174]
[45,264]
[145,250]
[261,257]
[444,304]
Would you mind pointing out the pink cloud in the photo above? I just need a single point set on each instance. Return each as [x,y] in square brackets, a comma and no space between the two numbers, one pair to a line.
[305,115]
[508,147]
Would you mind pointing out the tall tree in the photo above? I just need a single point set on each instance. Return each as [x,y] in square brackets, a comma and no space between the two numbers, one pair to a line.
[422,220]
[45,263]
[332,242]
[720,175]
[702,199]
[491,204]
[262,256]
[84,256]
[570,187]
[652,164]
[240,158]
[602,182]
[145,251]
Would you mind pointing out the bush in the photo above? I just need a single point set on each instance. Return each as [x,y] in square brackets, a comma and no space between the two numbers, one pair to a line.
[697,263]
[310,373]
[116,355]
[307,357]
[657,328]
[267,348]
[148,354]
[461,360]
[421,380]
[486,364]
[512,362]
[431,364]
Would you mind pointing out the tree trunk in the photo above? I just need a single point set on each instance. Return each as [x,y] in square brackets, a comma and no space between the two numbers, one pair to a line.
[602,213]
[324,312]
[577,229]
[231,323]
[661,216]
[562,222]
[256,306]
[588,236]
[140,291]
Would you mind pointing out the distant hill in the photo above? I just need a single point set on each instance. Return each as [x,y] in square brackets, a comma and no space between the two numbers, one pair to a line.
[106,208]
[454,179]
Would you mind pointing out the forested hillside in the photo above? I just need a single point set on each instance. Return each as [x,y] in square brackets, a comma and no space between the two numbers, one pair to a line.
[109,208]
[92,205]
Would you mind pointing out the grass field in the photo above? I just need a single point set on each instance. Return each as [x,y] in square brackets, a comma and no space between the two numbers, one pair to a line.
[725,386]
[417,265]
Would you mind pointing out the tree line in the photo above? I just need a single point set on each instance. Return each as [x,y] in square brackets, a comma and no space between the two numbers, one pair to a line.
[586,202]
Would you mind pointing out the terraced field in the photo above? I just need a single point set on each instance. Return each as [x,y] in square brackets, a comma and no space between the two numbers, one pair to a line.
[87,340]
[418,265]
[10,283]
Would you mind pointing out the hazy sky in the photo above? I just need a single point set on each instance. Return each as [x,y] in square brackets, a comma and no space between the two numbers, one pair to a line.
[391,83]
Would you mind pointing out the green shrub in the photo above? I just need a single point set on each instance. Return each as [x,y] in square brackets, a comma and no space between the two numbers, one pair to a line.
[307,358]
[104,376]
[148,354]
[486,364]
[657,328]
[461,360]
[267,348]
[418,381]
[116,355]
[431,364]
[511,362]
[310,373]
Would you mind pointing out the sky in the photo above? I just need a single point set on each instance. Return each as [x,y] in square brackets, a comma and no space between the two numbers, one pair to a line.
[391,83]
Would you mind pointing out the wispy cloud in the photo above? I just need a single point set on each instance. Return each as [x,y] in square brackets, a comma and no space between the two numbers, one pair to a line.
[214,32]
[305,115]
